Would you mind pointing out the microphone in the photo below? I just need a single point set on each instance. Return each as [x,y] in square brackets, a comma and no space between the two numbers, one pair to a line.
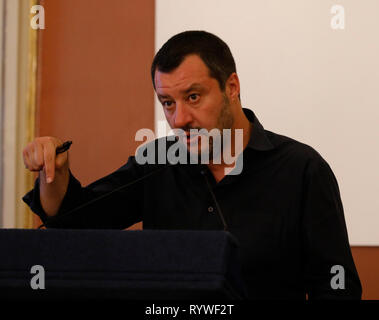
[215,201]
[70,212]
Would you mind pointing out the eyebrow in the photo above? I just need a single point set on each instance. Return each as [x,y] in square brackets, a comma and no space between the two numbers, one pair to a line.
[193,86]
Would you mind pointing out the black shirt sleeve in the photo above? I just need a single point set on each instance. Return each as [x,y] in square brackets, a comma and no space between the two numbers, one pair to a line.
[90,208]
[326,242]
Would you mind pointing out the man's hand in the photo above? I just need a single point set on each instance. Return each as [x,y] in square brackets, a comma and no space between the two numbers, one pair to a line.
[40,155]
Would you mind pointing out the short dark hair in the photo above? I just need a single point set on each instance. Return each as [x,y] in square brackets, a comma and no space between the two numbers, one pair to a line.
[214,52]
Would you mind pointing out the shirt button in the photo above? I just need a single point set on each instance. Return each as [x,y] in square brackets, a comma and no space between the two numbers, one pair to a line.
[210,209]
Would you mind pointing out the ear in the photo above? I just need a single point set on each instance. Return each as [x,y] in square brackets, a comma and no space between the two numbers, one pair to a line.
[232,87]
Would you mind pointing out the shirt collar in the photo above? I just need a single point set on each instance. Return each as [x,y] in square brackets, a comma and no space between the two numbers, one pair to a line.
[258,138]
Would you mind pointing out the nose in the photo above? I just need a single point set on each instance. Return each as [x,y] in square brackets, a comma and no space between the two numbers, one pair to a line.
[182,116]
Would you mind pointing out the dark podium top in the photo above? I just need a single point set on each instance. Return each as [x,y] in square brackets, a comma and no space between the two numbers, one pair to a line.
[101,264]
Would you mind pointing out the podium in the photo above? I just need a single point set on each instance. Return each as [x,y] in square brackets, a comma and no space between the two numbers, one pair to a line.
[115,264]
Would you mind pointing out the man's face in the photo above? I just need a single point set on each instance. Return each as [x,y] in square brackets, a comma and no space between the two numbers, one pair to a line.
[191,99]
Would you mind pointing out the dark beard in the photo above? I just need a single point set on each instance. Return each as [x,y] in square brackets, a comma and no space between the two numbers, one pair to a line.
[225,120]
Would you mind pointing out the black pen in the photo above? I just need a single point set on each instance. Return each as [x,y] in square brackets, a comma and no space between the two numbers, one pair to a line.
[64,147]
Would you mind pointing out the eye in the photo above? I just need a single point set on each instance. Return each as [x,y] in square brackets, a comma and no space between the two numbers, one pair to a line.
[193,97]
[167,103]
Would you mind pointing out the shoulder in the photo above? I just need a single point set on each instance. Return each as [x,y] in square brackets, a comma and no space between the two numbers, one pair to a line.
[292,147]
[299,154]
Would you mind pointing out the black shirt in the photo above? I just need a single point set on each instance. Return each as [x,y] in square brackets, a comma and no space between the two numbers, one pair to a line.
[284,209]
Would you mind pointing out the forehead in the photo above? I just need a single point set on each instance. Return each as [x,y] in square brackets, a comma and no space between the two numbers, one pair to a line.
[192,69]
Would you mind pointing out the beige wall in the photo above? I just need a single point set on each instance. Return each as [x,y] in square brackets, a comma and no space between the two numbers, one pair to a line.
[1,110]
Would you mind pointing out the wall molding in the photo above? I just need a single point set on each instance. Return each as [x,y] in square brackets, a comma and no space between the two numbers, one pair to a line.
[19,78]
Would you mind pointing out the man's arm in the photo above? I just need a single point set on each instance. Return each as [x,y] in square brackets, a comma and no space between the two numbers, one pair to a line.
[326,243]
[64,203]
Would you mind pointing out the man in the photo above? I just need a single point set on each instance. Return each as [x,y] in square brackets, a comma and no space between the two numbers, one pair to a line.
[284,207]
